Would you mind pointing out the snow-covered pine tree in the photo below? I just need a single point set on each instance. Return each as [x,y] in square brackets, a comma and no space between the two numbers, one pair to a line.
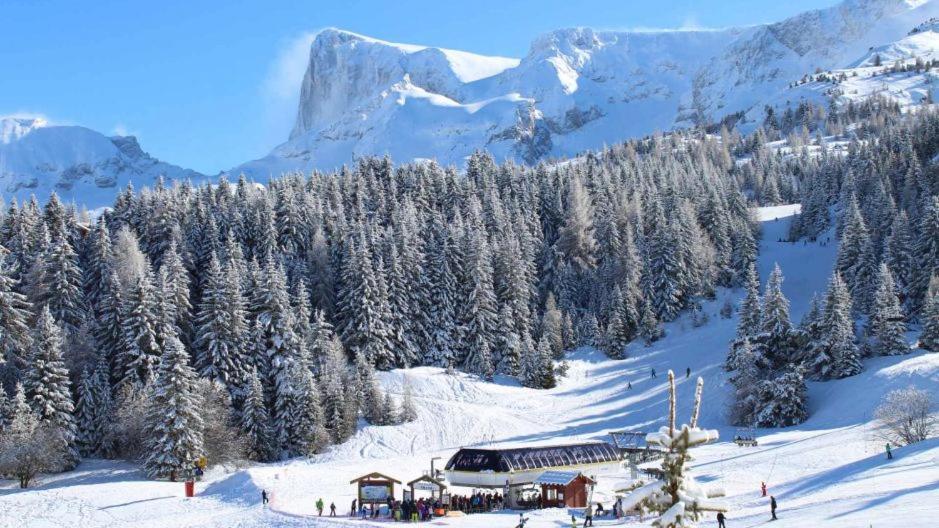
[363,313]
[899,256]
[538,367]
[854,246]
[402,315]
[929,338]
[97,263]
[176,292]
[62,286]
[751,308]
[141,350]
[302,411]
[781,401]
[622,326]
[552,322]
[84,415]
[745,378]
[926,251]
[777,341]
[650,327]
[836,355]
[369,397]
[14,316]
[47,384]
[389,410]
[331,380]
[885,326]
[174,424]
[576,241]
[108,330]
[276,342]
[678,500]
[443,290]
[480,313]
[221,327]
[408,410]
[255,421]
[508,343]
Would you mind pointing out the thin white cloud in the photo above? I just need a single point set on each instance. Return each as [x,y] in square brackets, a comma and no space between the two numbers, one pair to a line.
[280,89]
[22,114]
[120,129]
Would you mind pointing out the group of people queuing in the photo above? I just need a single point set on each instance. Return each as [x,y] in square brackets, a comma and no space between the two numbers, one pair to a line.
[477,502]
[415,511]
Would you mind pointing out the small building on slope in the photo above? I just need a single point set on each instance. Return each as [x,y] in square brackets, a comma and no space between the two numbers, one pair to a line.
[518,469]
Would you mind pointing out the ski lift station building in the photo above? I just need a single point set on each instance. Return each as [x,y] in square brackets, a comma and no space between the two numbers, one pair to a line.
[522,466]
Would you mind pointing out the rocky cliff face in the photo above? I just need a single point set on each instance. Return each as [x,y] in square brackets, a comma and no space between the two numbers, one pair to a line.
[576,88]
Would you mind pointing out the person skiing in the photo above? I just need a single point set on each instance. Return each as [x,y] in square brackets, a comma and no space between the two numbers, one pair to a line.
[653,373]
[629,385]
[687,372]
[889,452]
[588,516]
[319,506]
[763,488]
[720,520]
[772,506]
[264,499]
[332,509]
[521,521]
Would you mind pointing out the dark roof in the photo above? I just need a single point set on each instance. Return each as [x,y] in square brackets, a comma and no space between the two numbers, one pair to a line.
[524,458]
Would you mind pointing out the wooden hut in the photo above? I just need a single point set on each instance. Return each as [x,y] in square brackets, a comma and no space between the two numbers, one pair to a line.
[427,483]
[561,489]
[375,488]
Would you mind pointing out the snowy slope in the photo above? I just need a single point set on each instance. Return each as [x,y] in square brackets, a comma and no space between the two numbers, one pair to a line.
[863,77]
[575,89]
[79,164]
[829,471]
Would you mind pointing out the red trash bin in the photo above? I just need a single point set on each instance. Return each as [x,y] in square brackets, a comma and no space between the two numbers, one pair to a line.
[190,488]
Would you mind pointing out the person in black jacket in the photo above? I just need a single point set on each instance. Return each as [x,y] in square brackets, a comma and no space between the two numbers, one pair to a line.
[772,506]
[720,520]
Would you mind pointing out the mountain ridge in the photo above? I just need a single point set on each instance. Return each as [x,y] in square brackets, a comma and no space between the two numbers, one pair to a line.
[576,88]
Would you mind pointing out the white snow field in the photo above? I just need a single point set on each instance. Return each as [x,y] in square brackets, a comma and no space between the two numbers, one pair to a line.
[827,472]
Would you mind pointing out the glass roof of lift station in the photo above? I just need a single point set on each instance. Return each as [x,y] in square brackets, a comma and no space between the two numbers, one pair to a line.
[528,458]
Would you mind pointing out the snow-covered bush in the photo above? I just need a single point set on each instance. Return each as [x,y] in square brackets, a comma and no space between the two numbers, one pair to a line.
[29,446]
[907,415]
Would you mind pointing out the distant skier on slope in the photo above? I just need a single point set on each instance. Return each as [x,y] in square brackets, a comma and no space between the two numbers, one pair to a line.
[772,506]
[319,507]
[889,452]
[763,488]
[264,499]
[720,520]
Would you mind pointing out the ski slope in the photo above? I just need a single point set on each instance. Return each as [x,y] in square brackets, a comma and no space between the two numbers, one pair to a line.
[829,471]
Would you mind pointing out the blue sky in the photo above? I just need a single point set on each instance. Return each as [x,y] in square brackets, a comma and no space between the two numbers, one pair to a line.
[208,84]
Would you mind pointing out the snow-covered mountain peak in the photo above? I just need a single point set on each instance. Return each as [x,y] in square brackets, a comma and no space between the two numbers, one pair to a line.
[347,72]
[575,89]
[78,163]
